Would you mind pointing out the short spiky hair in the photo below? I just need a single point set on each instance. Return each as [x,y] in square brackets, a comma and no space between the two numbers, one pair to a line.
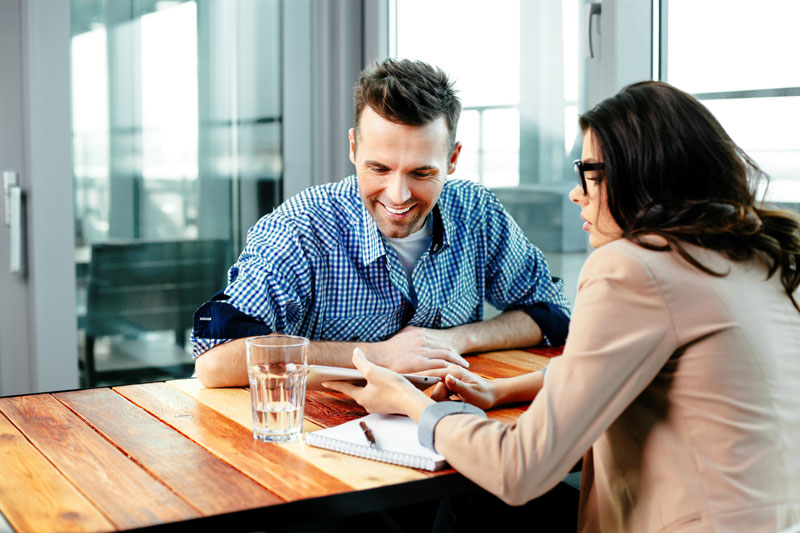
[408,92]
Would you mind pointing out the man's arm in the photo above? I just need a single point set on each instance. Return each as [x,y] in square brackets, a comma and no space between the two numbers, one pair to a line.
[511,329]
[518,277]
[410,350]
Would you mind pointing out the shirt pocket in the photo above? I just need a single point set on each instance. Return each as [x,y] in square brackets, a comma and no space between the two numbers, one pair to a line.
[364,328]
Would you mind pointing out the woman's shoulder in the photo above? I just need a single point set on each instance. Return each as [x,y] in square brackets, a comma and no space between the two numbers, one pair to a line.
[632,262]
[623,254]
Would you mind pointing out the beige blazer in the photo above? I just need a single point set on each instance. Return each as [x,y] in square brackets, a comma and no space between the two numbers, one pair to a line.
[683,387]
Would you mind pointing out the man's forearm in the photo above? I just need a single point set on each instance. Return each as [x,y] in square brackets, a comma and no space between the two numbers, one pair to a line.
[225,365]
[330,353]
[512,329]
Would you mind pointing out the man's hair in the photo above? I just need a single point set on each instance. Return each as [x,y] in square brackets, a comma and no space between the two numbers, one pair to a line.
[408,92]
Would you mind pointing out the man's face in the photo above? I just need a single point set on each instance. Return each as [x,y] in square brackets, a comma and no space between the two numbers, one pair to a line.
[401,170]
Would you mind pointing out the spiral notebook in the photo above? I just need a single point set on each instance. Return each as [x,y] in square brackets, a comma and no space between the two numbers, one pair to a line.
[395,437]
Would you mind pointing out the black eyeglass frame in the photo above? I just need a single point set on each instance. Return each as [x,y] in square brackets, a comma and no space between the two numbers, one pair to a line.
[581,167]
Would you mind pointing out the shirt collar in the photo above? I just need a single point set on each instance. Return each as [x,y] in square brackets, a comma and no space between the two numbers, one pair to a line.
[371,237]
[443,226]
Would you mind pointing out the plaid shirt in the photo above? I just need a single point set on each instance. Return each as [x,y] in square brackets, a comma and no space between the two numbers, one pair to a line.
[318,267]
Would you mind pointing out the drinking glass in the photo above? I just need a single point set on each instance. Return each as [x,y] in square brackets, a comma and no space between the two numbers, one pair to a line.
[277,366]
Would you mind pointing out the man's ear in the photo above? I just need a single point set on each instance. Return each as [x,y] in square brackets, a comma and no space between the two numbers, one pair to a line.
[352,136]
[454,158]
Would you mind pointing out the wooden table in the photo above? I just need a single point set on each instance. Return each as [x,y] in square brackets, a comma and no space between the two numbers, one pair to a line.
[166,453]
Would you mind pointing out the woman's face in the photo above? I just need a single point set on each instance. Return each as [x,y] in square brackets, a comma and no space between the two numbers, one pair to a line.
[597,219]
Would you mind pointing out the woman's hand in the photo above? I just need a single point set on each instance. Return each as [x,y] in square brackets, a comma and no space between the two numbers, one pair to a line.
[385,392]
[469,387]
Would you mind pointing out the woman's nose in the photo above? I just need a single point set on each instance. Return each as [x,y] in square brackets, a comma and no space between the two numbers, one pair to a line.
[577,195]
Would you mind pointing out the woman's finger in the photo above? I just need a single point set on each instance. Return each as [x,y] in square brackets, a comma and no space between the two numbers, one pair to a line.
[440,392]
[360,359]
[342,386]
[459,387]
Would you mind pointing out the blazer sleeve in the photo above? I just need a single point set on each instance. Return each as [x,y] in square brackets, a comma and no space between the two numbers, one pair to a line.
[620,337]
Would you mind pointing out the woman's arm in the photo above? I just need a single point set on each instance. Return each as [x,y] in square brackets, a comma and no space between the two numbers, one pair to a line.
[620,337]
[486,393]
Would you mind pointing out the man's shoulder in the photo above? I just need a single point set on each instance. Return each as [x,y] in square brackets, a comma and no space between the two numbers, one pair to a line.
[317,215]
[322,200]
[464,197]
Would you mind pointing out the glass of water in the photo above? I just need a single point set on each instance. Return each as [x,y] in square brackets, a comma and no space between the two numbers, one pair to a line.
[277,366]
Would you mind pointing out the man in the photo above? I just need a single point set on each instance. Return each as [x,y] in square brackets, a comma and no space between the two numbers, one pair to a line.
[396,256]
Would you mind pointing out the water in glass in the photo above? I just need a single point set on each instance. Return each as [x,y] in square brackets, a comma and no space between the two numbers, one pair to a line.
[277,391]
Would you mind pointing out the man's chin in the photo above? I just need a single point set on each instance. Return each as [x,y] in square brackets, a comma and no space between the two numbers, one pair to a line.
[395,231]
[396,234]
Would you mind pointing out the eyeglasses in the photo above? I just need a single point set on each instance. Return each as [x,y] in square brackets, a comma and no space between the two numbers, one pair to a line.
[581,167]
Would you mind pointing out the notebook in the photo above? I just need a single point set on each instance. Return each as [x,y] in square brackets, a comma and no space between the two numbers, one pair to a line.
[395,436]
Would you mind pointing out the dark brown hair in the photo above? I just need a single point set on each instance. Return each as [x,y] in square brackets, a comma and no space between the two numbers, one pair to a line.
[408,92]
[672,170]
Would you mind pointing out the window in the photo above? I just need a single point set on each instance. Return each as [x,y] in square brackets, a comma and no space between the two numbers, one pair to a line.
[519,69]
[738,58]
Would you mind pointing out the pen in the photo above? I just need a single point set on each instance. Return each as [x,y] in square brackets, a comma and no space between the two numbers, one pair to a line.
[368,433]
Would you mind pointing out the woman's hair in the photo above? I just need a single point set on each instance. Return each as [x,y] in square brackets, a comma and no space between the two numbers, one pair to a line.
[672,170]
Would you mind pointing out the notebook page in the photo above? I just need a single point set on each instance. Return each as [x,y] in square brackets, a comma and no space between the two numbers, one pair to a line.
[395,435]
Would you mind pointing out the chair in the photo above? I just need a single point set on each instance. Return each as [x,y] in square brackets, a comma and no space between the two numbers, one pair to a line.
[139,287]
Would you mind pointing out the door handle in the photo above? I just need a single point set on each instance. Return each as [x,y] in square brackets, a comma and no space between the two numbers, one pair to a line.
[12,198]
[593,8]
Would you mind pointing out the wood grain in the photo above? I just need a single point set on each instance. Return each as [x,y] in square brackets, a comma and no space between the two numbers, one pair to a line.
[233,402]
[525,361]
[208,484]
[91,463]
[358,473]
[34,496]
[488,368]
[546,351]
[269,464]
[329,409]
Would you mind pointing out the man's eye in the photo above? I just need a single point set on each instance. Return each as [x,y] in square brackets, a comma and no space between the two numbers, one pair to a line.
[379,170]
[422,175]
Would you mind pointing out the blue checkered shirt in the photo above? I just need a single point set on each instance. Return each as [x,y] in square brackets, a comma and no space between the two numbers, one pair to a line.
[317,266]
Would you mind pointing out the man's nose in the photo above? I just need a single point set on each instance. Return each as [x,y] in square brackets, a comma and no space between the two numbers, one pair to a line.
[397,189]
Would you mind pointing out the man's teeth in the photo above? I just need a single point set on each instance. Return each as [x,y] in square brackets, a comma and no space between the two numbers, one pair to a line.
[397,211]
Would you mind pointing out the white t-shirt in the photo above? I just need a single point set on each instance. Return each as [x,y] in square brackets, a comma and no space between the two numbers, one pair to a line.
[410,249]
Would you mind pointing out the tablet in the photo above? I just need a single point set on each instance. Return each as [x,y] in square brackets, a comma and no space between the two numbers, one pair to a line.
[318,373]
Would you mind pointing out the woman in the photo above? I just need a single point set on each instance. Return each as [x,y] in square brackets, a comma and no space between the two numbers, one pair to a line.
[681,372]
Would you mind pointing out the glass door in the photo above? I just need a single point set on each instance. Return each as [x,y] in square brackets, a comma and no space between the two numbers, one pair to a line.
[176,153]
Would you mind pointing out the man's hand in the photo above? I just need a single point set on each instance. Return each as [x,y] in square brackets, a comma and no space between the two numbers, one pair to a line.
[414,349]
[385,392]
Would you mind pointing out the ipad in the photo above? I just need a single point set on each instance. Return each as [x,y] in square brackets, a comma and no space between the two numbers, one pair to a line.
[318,373]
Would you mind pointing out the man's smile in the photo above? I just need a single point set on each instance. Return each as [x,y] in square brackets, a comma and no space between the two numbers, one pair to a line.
[397,211]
